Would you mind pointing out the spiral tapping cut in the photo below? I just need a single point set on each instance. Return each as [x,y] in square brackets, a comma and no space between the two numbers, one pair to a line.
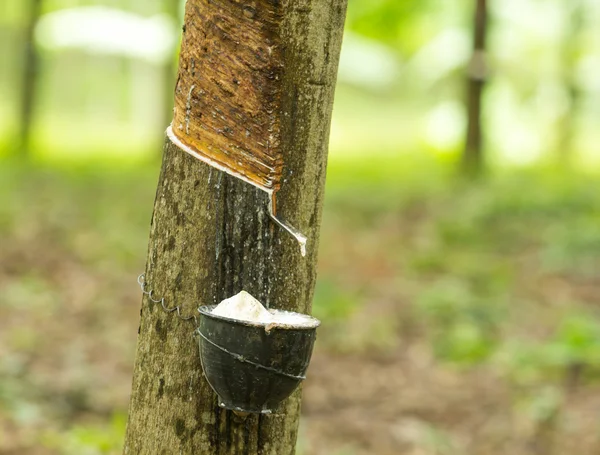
[232,113]
[300,238]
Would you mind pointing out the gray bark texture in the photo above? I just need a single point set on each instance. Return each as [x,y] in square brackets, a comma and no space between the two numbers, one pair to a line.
[211,237]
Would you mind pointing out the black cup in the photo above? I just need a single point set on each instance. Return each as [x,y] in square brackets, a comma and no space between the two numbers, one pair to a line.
[253,366]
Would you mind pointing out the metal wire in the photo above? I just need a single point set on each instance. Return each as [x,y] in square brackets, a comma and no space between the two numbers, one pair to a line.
[142,282]
[243,359]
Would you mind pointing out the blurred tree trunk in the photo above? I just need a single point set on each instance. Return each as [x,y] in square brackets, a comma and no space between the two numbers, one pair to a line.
[211,235]
[571,48]
[30,76]
[472,161]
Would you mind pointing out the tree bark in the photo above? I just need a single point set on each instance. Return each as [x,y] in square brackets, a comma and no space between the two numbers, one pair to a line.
[472,161]
[211,237]
[30,73]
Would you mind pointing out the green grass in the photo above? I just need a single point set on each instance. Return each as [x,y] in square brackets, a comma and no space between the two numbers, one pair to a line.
[477,256]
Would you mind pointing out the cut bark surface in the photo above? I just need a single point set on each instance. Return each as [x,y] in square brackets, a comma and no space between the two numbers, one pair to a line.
[230,88]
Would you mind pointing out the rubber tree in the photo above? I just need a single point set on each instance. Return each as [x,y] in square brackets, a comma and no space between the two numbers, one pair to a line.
[29,75]
[472,160]
[211,235]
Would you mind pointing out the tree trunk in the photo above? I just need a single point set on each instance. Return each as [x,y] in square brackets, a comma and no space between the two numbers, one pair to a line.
[472,161]
[30,73]
[211,235]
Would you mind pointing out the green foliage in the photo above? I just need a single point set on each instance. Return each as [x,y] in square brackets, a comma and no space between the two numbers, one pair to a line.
[89,439]
[459,269]
[438,441]
[463,327]
[403,25]
[542,404]
[574,344]
[471,251]
[573,247]
[80,208]
[332,303]
[578,341]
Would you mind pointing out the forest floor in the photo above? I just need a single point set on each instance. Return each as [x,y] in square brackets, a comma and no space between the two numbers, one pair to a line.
[459,319]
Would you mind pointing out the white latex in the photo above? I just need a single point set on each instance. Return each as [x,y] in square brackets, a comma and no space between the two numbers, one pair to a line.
[286,318]
[245,307]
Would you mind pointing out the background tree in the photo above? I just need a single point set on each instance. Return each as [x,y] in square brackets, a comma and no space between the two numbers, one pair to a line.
[477,72]
[30,73]
[211,235]
[403,26]
[571,53]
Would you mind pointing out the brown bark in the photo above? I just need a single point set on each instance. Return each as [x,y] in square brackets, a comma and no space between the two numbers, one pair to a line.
[30,73]
[472,161]
[211,235]
[238,49]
